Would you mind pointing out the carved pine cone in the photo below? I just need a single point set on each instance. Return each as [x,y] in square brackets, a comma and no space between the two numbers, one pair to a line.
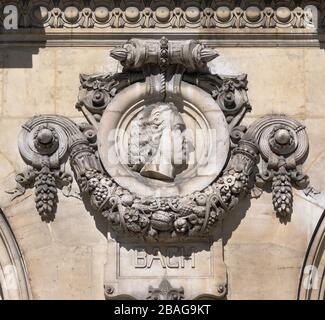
[282,194]
[46,192]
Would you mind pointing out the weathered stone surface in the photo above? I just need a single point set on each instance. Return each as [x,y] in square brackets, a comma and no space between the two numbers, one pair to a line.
[197,268]
[166,14]
[6,166]
[69,259]
[10,128]
[314,69]
[263,256]
[316,161]
[67,83]
[63,278]
[270,71]
[34,82]
[65,258]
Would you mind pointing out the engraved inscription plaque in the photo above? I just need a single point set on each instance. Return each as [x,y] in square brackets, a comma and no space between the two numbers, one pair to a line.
[134,268]
[179,260]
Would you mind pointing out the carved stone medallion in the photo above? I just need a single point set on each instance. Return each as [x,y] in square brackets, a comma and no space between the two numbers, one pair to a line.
[163,155]
[164,158]
[155,157]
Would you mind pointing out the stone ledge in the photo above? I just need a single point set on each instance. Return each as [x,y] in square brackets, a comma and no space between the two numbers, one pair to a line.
[106,38]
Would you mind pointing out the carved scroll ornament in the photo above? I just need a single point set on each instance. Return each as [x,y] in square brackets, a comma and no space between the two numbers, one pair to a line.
[155,86]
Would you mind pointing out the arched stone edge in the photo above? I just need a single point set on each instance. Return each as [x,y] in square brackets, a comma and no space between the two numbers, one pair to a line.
[312,279]
[14,280]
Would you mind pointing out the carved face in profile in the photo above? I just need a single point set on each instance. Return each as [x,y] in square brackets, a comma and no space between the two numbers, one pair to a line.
[158,146]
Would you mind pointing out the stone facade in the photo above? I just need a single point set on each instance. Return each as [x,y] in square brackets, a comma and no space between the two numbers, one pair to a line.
[70,256]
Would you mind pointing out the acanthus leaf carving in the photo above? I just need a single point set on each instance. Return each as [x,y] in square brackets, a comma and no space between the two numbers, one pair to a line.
[165,292]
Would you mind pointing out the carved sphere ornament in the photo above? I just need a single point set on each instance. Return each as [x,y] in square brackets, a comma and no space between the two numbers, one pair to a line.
[102,14]
[163,154]
[253,14]
[223,14]
[132,14]
[168,14]
[46,140]
[283,14]
[192,14]
[41,13]
[162,14]
[71,14]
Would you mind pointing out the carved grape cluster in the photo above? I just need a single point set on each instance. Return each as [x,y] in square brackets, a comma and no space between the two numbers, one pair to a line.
[232,185]
[213,218]
[98,186]
[179,216]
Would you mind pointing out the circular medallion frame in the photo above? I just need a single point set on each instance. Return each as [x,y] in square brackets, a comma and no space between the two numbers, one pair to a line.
[212,142]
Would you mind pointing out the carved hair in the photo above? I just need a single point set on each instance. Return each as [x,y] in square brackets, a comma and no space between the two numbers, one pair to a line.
[146,131]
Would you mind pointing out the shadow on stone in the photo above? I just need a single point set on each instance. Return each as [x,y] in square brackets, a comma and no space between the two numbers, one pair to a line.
[100,221]
[18,46]
[232,222]
[18,57]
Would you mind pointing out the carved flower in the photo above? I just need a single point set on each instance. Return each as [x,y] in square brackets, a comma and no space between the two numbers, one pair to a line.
[201,199]
[152,233]
[193,219]
[127,199]
[228,85]
[143,221]
[181,225]
[229,180]
[131,215]
[92,184]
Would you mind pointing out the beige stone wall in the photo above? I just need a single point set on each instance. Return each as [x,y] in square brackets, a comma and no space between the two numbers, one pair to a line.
[65,258]
[264,256]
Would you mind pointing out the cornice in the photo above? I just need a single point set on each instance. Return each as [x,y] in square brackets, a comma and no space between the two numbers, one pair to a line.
[224,23]
[99,38]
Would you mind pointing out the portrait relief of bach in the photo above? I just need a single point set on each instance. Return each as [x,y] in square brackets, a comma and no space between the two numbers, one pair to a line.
[158,147]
